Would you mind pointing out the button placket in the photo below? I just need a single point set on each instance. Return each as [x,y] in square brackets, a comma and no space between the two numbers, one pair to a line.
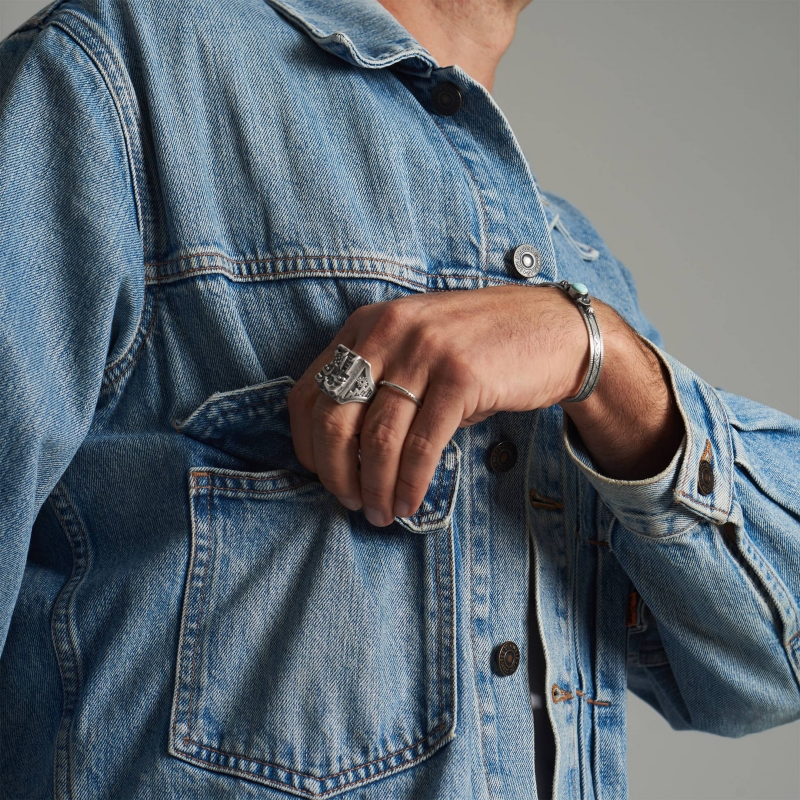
[446,99]
[508,657]
[705,472]
[503,457]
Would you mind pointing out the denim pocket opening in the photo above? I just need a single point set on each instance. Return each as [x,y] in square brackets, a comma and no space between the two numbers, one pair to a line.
[316,652]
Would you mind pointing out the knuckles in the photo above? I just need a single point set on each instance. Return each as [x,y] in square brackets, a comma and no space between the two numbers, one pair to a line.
[327,422]
[420,448]
[381,438]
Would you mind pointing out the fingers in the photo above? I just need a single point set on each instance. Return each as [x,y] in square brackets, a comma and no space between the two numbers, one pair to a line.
[433,427]
[399,444]
[383,437]
[335,430]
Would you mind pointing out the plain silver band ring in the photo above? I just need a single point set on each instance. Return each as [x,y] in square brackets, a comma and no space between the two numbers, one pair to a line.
[404,391]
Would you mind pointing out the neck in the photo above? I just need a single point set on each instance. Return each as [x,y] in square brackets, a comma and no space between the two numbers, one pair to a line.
[473,34]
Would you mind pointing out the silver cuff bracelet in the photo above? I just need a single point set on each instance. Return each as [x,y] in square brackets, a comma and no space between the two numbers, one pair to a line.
[580,295]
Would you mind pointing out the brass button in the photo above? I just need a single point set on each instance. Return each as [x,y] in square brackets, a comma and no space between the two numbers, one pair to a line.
[446,99]
[503,457]
[705,478]
[507,658]
[526,260]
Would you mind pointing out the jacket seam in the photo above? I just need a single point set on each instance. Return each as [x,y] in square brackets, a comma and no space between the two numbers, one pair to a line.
[182,274]
[61,617]
[109,68]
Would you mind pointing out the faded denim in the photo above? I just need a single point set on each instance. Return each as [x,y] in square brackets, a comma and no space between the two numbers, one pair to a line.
[193,199]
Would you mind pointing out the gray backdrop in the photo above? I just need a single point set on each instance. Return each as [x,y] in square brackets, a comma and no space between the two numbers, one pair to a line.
[675,126]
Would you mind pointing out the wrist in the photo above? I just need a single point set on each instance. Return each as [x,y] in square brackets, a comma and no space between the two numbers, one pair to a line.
[630,424]
[579,294]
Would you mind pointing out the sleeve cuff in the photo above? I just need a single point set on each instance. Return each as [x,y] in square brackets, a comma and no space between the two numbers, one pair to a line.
[697,483]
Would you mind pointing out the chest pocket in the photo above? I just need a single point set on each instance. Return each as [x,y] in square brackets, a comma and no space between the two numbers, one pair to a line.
[316,652]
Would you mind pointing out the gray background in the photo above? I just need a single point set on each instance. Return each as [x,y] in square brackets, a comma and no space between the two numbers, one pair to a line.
[675,126]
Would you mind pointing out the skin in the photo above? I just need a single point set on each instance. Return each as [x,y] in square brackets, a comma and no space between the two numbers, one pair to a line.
[470,354]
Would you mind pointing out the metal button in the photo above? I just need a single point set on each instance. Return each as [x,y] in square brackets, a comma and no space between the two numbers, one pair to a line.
[503,457]
[446,99]
[507,658]
[526,260]
[705,477]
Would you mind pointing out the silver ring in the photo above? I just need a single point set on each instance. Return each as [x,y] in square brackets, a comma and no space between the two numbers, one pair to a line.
[348,378]
[404,391]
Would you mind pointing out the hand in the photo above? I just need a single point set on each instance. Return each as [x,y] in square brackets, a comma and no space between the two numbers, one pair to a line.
[465,354]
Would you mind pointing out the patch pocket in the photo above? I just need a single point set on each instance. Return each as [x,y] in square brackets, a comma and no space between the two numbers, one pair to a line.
[316,652]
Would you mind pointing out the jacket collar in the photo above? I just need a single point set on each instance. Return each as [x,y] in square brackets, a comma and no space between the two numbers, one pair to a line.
[361,32]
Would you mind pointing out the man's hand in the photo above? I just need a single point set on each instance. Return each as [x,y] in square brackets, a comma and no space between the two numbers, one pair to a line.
[468,355]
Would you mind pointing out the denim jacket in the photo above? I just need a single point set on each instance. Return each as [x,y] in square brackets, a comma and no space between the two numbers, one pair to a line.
[193,199]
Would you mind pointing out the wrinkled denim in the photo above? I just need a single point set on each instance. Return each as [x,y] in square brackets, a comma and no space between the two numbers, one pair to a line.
[193,199]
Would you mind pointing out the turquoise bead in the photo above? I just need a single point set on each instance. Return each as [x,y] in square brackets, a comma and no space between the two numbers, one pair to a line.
[580,288]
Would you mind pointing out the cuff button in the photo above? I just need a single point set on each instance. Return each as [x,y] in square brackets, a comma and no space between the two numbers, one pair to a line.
[705,478]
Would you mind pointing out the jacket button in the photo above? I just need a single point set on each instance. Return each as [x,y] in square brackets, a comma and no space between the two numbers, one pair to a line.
[503,457]
[446,98]
[507,658]
[526,260]
[705,478]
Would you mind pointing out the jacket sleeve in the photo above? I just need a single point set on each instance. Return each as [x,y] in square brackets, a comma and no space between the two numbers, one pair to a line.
[712,546]
[71,271]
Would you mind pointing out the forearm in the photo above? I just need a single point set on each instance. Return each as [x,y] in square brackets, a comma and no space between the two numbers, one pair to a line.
[630,425]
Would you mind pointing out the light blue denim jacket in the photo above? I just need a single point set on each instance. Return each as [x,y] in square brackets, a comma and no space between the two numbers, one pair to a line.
[193,199]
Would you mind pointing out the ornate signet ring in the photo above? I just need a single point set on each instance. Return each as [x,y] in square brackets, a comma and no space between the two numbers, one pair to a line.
[348,378]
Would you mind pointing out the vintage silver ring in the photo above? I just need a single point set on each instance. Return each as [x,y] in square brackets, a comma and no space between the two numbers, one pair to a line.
[348,378]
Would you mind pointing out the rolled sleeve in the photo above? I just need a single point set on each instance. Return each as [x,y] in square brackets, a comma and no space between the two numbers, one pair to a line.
[677,498]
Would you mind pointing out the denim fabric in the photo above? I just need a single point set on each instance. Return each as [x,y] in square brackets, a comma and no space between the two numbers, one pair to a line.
[193,199]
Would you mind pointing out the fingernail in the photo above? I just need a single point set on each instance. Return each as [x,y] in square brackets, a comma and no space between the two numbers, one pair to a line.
[349,502]
[375,517]
[402,509]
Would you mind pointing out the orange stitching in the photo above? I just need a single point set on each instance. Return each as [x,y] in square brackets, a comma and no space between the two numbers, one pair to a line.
[296,484]
[707,452]
[538,500]
[589,699]
[280,259]
[199,619]
[187,740]
[439,620]
[560,695]
[598,542]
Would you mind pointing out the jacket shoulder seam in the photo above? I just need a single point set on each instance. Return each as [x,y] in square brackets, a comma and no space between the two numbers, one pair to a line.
[105,59]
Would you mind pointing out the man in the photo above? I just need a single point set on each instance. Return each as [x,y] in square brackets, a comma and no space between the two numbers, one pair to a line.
[221,222]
